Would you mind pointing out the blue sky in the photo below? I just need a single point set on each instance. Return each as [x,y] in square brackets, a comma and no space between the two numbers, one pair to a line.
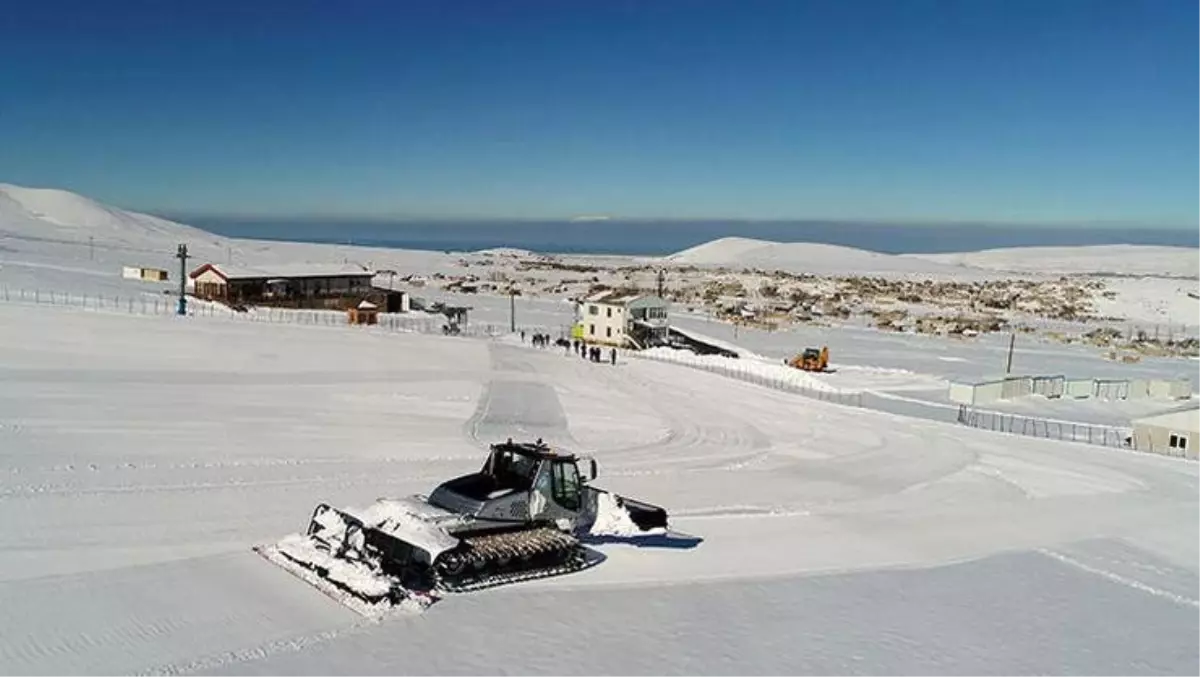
[993,110]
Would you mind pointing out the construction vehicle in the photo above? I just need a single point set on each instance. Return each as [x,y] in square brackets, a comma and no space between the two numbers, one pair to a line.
[516,519]
[812,359]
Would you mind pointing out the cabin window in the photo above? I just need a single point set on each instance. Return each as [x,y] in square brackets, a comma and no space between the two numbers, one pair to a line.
[566,485]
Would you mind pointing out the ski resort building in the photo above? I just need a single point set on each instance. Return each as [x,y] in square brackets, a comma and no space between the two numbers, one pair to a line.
[143,273]
[622,319]
[306,286]
[1174,433]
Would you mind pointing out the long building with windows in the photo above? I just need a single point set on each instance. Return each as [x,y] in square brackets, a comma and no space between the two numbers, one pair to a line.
[308,285]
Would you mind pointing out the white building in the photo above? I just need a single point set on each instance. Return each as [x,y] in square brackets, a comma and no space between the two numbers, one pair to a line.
[1174,433]
[623,320]
[143,273]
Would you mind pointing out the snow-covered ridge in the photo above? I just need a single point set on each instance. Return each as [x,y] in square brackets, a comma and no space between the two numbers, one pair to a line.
[1121,259]
[825,259]
[805,257]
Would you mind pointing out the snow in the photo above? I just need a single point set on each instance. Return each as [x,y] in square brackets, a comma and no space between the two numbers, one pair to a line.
[57,215]
[1122,259]
[612,519]
[1161,302]
[809,257]
[780,374]
[284,270]
[152,453]
[412,521]
[145,456]
[740,351]
[505,251]
[54,240]
[352,574]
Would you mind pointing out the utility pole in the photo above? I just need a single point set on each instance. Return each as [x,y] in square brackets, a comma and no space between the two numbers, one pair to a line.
[1012,340]
[182,254]
[512,311]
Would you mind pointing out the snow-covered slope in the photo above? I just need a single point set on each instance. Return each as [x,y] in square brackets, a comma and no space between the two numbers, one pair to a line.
[809,257]
[57,240]
[1122,259]
[144,456]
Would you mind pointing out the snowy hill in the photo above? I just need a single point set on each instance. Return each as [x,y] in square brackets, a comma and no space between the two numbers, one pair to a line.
[1120,259]
[808,257]
[59,215]
[54,239]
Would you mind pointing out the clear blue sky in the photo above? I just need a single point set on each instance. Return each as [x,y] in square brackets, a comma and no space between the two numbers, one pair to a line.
[998,110]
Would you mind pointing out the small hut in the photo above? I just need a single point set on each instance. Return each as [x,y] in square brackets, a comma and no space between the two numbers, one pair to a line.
[364,313]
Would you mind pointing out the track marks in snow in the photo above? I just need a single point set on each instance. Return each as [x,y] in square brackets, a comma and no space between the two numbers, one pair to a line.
[119,621]
[1121,579]
[517,408]
[257,653]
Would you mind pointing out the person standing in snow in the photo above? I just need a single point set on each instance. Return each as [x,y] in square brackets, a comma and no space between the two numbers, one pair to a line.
[613,356]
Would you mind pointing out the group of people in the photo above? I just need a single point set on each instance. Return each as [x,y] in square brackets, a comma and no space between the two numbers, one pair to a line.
[593,353]
[538,340]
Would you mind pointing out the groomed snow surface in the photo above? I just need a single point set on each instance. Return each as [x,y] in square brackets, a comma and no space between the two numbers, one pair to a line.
[145,456]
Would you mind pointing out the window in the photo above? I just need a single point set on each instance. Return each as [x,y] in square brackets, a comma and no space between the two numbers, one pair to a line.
[608,331]
[593,310]
[1177,441]
[566,485]
[592,329]
[609,309]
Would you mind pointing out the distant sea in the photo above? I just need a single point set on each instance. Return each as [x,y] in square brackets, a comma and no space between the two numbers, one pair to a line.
[653,238]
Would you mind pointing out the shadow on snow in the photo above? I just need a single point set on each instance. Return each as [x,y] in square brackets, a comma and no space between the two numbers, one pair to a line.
[671,540]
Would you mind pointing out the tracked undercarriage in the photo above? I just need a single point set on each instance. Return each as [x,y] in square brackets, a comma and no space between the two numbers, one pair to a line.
[488,560]
[515,520]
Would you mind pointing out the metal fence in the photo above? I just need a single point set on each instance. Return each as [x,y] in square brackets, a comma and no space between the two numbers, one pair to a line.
[741,373]
[1100,435]
[150,304]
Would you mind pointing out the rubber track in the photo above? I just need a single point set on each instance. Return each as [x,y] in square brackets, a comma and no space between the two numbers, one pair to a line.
[492,552]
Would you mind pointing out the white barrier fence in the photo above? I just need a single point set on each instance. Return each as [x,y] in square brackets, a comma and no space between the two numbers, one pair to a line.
[756,373]
[1100,435]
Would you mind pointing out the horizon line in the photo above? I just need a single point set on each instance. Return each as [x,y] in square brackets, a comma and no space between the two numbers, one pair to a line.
[592,220]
